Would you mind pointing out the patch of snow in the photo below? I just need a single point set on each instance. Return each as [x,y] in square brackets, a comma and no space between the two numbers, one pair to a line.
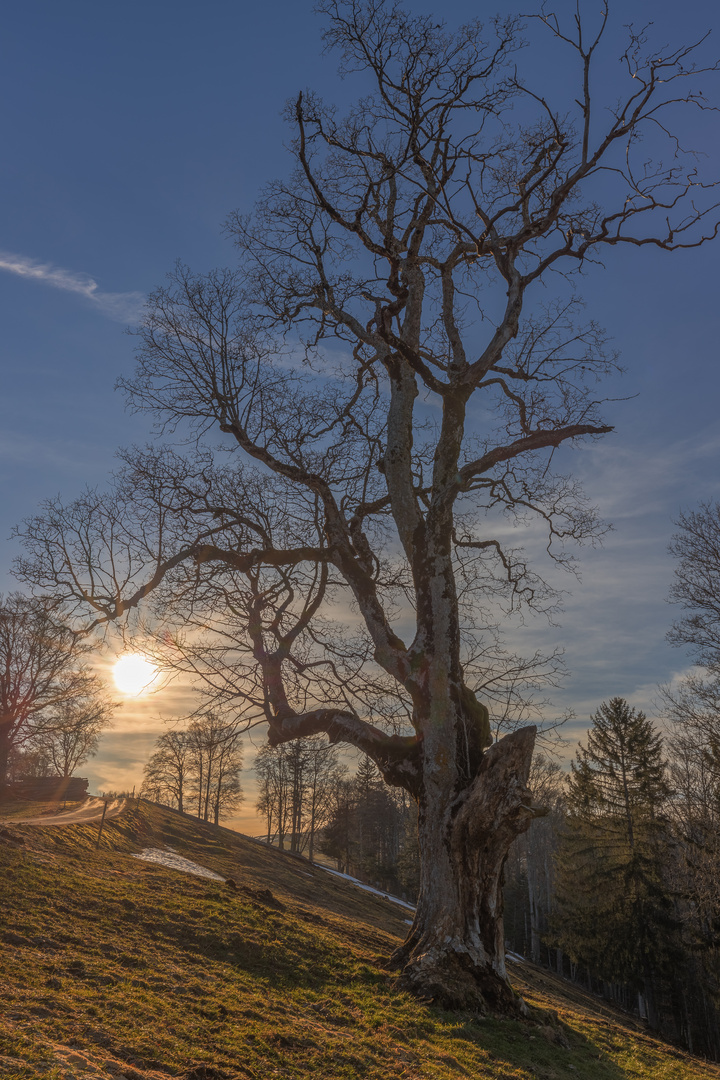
[515,956]
[174,861]
[368,888]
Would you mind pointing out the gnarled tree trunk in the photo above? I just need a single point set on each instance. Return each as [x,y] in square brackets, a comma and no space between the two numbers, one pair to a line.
[455,950]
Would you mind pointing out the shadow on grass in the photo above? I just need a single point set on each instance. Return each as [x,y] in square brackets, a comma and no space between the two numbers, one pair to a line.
[544,1048]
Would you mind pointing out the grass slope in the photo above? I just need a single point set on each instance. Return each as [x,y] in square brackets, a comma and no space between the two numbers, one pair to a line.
[112,967]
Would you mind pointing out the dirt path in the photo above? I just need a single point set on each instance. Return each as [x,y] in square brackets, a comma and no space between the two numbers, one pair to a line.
[91,810]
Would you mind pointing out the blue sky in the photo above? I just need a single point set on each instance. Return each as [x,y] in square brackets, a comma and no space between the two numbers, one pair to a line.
[131,131]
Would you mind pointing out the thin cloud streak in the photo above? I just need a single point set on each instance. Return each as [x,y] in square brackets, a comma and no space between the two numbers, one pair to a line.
[122,307]
[20,450]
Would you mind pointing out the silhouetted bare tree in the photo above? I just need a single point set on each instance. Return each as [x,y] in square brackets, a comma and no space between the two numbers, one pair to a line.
[697,584]
[202,764]
[166,775]
[296,785]
[216,762]
[72,733]
[48,694]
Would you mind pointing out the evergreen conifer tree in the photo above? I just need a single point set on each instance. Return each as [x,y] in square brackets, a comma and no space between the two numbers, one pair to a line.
[614,909]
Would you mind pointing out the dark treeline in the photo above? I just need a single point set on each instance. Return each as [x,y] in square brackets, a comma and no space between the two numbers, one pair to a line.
[372,833]
[618,886]
[310,803]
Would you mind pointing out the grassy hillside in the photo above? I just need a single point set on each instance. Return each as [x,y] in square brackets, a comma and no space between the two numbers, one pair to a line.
[112,967]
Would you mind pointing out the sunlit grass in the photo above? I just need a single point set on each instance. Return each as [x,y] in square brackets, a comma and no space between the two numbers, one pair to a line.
[159,972]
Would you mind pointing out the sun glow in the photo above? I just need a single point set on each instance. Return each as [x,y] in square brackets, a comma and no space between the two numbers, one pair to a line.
[134,674]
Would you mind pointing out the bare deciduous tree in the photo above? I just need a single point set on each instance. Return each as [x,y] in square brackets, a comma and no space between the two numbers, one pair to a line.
[397,381]
[692,708]
[296,787]
[697,584]
[167,773]
[28,764]
[48,694]
[72,733]
[202,764]
[216,762]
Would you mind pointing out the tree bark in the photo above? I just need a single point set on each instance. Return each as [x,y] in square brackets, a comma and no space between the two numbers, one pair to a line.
[455,951]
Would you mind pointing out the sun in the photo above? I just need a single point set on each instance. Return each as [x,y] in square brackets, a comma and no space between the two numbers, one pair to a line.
[134,674]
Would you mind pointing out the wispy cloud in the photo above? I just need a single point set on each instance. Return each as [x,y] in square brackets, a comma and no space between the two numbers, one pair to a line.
[122,307]
[20,450]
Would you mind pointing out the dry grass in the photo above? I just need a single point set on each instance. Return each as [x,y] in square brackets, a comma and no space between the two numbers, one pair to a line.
[112,967]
